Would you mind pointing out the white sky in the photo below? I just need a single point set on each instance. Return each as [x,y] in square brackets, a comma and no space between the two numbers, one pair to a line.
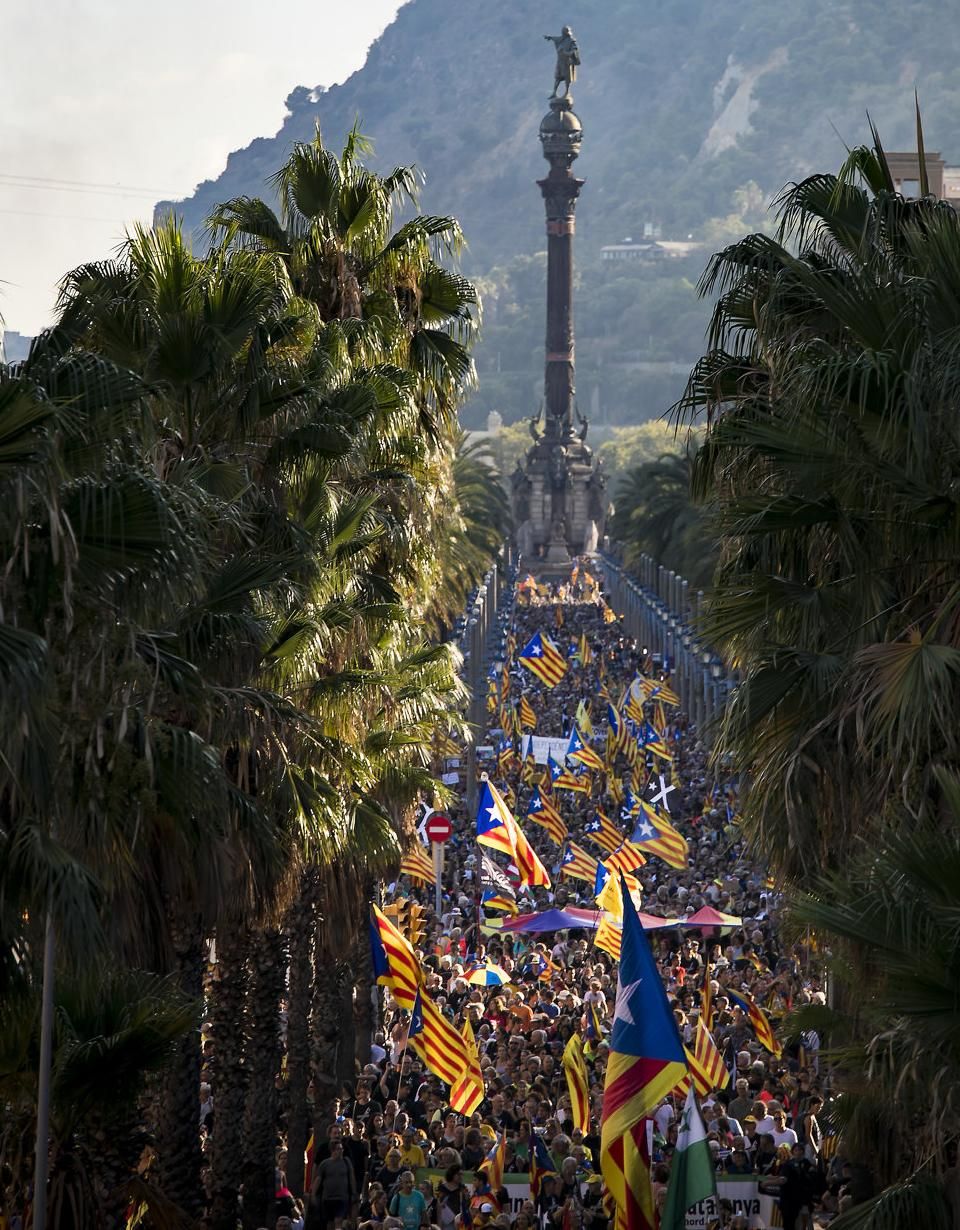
[148,94]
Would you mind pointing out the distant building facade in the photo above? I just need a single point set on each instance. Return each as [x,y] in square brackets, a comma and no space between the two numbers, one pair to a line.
[14,346]
[943,180]
[648,250]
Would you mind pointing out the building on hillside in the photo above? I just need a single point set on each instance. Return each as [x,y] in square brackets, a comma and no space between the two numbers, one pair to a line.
[646,251]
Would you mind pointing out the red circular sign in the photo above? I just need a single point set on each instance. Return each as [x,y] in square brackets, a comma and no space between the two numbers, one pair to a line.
[438,827]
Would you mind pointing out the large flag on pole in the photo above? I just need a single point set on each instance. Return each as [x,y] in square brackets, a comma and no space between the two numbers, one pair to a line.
[646,1062]
[396,965]
[692,1177]
[497,828]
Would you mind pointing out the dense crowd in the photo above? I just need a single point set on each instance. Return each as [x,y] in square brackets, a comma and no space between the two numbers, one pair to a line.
[397,1158]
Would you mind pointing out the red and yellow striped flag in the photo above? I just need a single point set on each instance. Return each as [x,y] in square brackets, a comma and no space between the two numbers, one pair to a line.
[578,1083]
[494,1164]
[654,834]
[577,864]
[467,1093]
[706,1064]
[578,782]
[527,716]
[758,1019]
[646,1062]
[601,830]
[439,1045]
[544,659]
[608,937]
[625,858]
[417,864]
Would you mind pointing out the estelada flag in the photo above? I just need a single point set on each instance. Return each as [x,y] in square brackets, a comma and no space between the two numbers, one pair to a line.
[604,832]
[497,829]
[543,812]
[577,864]
[758,1019]
[645,1063]
[396,965]
[494,1164]
[544,659]
[656,835]
[541,1164]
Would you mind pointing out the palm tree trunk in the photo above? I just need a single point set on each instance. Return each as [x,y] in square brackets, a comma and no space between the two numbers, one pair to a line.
[363,1014]
[325,1036]
[179,1157]
[346,1069]
[227,1078]
[267,986]
[301,927]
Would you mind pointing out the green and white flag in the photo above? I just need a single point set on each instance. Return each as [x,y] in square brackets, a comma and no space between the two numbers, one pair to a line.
[692,1177]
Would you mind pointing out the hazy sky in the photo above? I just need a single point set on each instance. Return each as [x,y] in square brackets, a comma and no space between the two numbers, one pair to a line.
[123,102]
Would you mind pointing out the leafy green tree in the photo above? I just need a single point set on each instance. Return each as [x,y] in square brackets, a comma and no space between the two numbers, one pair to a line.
[628,447]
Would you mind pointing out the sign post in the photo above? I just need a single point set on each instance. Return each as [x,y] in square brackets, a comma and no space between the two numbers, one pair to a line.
[437,828]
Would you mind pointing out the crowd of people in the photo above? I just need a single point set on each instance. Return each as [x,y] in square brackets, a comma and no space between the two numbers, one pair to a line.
[398,1158]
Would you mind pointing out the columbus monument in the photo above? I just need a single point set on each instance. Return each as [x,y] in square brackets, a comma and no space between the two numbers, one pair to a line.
[558,492]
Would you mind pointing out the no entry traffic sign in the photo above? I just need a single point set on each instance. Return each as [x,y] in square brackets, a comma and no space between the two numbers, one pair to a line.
[438,827]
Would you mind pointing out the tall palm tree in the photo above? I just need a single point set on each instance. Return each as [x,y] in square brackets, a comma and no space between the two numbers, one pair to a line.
[888,916]
[113,1029]
[657,515]
[831,460]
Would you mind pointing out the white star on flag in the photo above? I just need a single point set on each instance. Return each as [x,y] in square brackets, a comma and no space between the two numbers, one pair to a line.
[624,993]
[661,795]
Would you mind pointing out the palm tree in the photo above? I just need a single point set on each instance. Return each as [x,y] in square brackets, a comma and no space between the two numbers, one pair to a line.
[889,919]
[830,461]
[113,1028]
[226,479]
[656,515]
[335,235]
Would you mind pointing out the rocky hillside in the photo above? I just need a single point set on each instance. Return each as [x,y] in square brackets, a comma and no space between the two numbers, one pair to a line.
[695,113]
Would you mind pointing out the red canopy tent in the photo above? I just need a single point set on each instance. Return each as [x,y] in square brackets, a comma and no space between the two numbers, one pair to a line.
[710,921]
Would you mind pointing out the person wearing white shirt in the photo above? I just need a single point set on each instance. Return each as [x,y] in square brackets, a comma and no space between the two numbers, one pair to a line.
[663,1117]
[782,1135]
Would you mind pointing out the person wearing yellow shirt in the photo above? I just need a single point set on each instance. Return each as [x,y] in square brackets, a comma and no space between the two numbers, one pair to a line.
[411,1155]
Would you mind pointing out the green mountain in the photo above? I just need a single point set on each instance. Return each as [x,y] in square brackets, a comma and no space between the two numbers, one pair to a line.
[695,114]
